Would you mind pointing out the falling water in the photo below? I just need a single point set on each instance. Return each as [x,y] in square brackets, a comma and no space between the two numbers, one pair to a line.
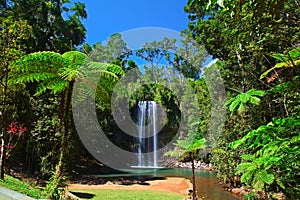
[147,140]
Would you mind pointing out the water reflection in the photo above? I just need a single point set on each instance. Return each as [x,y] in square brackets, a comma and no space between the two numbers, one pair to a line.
[206,181]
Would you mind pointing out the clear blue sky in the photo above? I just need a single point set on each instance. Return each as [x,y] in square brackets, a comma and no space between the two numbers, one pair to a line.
[106,17]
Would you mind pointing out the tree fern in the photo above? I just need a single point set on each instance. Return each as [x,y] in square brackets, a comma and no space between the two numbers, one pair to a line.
[57,73]
[239,102]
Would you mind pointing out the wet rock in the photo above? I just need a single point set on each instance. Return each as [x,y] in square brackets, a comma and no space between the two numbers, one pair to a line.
[109,183]
[198,165]
[237,191]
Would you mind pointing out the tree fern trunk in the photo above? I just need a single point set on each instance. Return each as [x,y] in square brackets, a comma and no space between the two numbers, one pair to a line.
[193,176]
[64,148]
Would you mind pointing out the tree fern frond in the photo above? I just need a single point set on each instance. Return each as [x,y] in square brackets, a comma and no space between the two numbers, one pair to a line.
[68,73]
[75,58]
[254,100]
[247,176]
[30,78]
[229,101]
[248,157]
[287,61]
[254,92]
[257,183]
[234,105]
[55,85]
[39,62]
[115,69]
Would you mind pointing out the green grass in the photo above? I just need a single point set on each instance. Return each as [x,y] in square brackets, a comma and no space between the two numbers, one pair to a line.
[19,186]
[106,194]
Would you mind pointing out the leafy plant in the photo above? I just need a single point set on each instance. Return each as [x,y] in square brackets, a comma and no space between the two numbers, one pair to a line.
[275,154]
[239,102]
[289,60]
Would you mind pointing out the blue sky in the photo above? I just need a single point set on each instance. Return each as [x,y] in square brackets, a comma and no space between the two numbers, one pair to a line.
[106,17]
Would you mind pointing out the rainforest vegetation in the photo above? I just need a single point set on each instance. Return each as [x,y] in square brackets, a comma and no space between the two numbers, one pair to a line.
[255,46]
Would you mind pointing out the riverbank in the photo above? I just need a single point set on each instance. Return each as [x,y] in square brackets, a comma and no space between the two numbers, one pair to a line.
[238,191]
[169,184]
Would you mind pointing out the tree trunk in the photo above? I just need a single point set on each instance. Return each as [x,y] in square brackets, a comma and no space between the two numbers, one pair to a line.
[64,148]
[193,176]
[3,123]
[2,155]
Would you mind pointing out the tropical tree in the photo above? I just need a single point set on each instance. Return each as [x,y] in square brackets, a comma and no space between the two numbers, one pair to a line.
[190,145]
[155,53]
[12,33]
[56,73]
[113,51]
[189,57]
[56,24]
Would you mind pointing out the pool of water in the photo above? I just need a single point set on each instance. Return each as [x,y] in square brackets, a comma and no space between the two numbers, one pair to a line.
[206,182]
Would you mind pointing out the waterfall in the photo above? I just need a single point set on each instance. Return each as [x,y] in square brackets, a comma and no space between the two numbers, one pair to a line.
[147,135]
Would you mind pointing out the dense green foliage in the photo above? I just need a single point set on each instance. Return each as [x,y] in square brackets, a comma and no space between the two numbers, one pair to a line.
[56,24]
[274,157]
[258,44]
[55,72]
[257,47]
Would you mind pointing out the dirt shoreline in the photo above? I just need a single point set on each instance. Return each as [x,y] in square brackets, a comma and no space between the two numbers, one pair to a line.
[169,184]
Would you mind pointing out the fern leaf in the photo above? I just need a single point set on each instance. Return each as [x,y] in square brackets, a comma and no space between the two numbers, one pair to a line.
[76,58]
[294,53]
[258,184]
[254,100]
[244,97]
[266,177]
[254,92]
[234,105]
[236,144]
[241,107]
[248,157]
[244,166]
[229,101]
[247,176]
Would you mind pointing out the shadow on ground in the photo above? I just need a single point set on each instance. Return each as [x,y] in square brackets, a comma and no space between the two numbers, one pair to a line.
[120,180]
[83,195]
